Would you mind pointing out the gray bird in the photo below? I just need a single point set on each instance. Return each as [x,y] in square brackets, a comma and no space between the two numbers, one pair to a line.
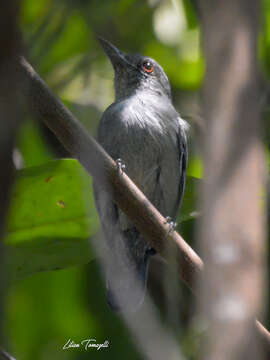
[143,129]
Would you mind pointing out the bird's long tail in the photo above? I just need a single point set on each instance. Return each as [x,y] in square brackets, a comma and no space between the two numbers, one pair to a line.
[127,271]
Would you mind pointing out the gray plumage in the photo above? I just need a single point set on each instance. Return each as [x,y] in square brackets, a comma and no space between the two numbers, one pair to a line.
[142,128]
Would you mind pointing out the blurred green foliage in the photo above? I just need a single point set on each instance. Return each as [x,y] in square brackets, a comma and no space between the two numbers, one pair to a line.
[51,219]
[48,308]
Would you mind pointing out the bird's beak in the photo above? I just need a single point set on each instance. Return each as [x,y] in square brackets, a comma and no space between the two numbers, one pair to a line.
[116,57]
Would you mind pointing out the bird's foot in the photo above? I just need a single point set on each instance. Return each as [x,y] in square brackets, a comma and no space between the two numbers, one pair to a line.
[120,165]
[172,224]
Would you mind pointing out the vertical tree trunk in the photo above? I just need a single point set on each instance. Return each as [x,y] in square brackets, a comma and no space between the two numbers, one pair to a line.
[232,230]
[9,47]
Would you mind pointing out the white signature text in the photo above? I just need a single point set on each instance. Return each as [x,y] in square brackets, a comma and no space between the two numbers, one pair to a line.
[86,344]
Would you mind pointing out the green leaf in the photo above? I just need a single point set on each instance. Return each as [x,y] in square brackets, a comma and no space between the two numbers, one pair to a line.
[51,218]
[32,144]
[33,10]
[191,15]
[71,39]
[188,209]
[195,167]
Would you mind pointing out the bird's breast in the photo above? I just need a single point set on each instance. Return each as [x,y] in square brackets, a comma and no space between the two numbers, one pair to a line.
[141,118]
[143,137]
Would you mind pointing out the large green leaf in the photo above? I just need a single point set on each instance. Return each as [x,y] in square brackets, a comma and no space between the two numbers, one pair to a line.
[51,218]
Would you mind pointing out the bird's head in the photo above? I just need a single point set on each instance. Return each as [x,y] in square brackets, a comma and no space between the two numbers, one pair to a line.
[134,72]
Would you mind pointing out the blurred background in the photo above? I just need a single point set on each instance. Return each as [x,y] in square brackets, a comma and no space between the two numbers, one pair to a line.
[60,38]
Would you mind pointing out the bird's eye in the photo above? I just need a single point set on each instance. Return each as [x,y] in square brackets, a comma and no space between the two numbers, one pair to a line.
[148,67]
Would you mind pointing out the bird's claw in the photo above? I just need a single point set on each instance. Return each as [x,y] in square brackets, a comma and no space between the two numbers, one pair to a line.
[172,224]
[120,165]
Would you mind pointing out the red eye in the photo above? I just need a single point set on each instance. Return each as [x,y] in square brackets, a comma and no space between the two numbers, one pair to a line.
[148,67]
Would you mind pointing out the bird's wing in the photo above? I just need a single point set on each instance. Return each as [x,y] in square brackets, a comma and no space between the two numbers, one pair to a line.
[183,160]
[171,179]
[126,263]
[107,131]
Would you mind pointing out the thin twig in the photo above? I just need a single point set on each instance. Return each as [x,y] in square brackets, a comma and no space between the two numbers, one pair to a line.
[5,355]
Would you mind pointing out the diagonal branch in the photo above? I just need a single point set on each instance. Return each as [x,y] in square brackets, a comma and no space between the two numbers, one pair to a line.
[100,165]
[5,355]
